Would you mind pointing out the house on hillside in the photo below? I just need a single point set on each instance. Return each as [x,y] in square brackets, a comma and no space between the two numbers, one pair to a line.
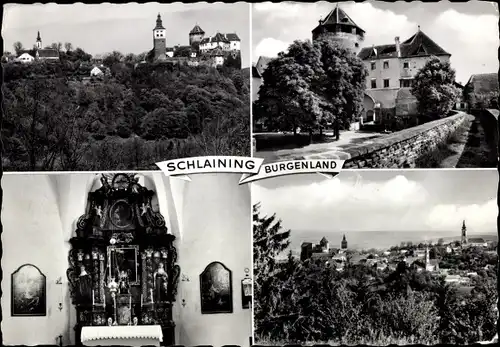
[25,58]
[96,72]
[482,90]
[47,54]
[477,242]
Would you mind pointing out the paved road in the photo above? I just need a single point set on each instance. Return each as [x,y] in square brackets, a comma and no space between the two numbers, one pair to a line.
[329,150]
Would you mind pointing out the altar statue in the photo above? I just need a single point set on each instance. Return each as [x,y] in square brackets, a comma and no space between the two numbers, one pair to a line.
[160,282]
[113,287]
[84,284]
[123,285]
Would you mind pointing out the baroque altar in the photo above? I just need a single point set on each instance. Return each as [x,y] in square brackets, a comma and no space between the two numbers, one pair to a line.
[123,268]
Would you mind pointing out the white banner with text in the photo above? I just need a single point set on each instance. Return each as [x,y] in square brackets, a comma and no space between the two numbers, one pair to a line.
[252,169]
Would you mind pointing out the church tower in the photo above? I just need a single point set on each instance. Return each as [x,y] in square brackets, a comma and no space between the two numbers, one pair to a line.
[196,35]
[340,28]
[38,41]
[427,258]
[325,245]
[343,244]
[464,234]
[159,40]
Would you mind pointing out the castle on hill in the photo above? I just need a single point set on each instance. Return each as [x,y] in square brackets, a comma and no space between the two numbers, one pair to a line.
[202,50]
[322,249]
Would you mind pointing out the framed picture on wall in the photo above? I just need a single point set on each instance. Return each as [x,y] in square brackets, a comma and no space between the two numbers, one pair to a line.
[28,292]
[216,289]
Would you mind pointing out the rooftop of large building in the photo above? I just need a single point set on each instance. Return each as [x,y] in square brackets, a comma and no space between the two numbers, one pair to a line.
[484,83]
[226,38]
[418,45]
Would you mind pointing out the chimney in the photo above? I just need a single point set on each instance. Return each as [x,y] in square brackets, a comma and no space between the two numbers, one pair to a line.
[398,47]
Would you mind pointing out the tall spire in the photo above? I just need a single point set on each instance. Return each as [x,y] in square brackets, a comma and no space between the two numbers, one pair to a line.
[38,38]
[464,233]
[343,244]
[159,23]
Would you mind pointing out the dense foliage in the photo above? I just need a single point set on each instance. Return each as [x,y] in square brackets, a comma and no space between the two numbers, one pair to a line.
[58,118]
[311,301]
[311,86]
[435,90]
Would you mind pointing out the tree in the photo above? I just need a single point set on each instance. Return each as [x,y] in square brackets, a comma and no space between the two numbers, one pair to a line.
[311,86]
[434,89]
[57,46]
[113,58]
[18,47]
[269,241]
[68,46]
[182,51]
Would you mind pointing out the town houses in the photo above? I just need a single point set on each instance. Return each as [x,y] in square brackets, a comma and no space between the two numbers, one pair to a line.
[426,256]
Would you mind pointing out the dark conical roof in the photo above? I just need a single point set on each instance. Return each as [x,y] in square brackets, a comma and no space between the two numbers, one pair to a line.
[337,16]
[159,23]
[196,30]
[323,241]
[38,38]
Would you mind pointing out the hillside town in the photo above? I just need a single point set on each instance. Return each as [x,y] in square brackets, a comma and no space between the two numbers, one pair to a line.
[202,50]
[438,258]
[96,109]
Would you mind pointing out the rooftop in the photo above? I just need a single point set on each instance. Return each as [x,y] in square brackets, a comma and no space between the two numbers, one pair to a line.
[418,45]
[335,17]
[484,83]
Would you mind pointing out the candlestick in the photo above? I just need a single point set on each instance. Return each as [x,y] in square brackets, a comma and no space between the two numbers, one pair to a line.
[141,300]
[152,299]
[93,297]
[114,309]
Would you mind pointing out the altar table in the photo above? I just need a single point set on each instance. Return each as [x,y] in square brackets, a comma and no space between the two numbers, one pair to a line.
[123,335]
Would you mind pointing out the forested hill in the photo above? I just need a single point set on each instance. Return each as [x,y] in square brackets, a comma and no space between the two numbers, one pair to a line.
[58,118]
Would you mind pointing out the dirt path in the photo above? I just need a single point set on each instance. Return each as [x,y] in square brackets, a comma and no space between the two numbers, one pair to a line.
[476,153]
[456,147]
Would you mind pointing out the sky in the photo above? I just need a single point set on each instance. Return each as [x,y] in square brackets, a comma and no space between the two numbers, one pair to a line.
[127,28]
[431,201]
[468,31]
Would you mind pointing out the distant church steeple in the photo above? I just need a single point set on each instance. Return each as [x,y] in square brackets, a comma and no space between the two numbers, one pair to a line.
[464,233]
[38,41]
[343,244]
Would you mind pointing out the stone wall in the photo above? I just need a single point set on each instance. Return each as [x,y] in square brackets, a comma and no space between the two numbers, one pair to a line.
[403,148]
